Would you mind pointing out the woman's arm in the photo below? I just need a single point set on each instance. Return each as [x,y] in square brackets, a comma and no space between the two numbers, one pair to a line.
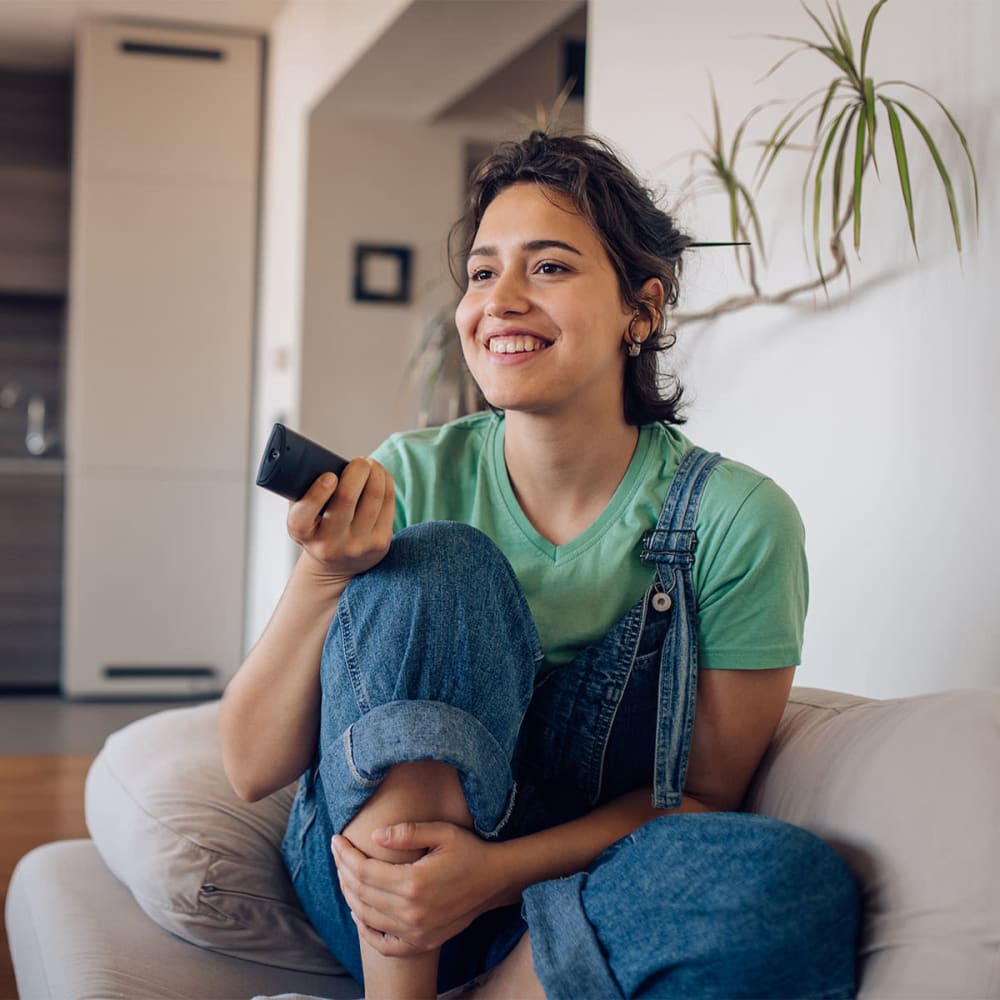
[269,716]
[737,714]
[423,904]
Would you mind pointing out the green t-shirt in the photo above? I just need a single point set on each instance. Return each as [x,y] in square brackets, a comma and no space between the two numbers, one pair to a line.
[750,575]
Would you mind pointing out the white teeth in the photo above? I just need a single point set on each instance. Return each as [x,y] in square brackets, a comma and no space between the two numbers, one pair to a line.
[514,345]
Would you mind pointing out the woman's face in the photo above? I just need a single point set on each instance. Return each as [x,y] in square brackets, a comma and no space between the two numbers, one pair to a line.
[542,323]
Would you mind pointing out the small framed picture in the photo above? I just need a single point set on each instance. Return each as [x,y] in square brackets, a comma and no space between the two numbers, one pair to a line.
[381,273]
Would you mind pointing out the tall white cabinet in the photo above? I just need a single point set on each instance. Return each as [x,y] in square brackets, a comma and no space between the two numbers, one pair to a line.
[162,271]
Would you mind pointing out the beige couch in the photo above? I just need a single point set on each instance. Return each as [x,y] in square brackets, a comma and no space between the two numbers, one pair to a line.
[181,894]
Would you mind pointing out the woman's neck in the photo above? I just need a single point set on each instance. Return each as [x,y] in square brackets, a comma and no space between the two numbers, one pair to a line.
[565,471]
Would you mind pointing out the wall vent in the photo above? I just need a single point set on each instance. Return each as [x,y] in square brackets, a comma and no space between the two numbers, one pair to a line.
[171,51]
[159,671]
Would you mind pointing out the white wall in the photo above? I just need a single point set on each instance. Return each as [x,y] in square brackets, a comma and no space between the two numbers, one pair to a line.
[878,416]
[310,46]
[356,386]
[308,328]
[389,182]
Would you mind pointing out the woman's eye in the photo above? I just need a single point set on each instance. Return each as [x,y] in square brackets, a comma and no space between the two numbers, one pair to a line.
[480,274]
[550,267]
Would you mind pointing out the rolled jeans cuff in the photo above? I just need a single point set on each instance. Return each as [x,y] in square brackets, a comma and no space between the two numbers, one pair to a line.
[404,731]
[568,958]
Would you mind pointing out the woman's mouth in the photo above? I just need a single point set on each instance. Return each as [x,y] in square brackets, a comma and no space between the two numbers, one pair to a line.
[515,343]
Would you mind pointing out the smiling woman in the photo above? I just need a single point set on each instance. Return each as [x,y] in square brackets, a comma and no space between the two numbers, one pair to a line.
[636,239]
[524,655]
[541,322]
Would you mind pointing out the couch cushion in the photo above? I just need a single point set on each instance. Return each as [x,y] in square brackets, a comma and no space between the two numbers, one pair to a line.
[76,934]
[906,790]
[201,862]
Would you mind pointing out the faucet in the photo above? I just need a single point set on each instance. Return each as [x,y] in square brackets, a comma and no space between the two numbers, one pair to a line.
[37,439]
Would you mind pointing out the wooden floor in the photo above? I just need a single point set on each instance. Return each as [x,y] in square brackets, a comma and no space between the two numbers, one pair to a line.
[41,799]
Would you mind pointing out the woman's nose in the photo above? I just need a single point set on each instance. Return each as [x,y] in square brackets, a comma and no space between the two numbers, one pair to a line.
[507,296]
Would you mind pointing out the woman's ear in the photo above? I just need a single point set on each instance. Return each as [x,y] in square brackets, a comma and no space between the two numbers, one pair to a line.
[651,299]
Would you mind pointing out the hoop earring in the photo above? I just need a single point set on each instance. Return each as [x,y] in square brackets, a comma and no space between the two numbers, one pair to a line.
[634,343]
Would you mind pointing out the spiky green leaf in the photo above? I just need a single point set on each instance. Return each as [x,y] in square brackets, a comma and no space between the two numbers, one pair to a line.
[808,173]
[843,33]
[841,62]
[819,24]
[717,118]
[859,172]
[734,147]
[773,146]
[732,190]
[832,133]
[903,168]
[870,119]
[827,101]
[805,46]
[781,136]
[843,42]
[867,37]
[958,131]
[754,217]
[942,171]
[838,47]
[838,167]
[830,51]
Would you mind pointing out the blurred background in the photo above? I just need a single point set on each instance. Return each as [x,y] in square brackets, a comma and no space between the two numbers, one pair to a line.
[216,214]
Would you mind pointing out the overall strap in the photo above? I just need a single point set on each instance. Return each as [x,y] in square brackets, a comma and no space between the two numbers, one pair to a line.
[671,546]
[673,540]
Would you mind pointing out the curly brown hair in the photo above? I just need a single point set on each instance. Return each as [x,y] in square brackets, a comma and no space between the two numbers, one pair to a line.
[640,239]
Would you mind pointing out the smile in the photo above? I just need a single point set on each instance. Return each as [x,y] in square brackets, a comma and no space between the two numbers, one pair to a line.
[515,344]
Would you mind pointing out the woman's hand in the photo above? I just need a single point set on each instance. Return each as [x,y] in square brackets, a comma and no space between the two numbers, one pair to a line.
[406,909]
[354,531]
[269,718]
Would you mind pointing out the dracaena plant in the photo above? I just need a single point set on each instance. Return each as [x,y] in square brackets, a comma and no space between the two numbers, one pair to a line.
[846,114]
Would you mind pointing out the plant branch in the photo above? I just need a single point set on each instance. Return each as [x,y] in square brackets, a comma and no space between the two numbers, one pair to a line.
[736,302]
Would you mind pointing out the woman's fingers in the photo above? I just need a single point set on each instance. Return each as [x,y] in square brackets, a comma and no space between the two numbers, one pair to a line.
[345,524]
[352,484]
[375,901]
[304,513]
[379,894]
[362,870]
[395,899]
[373,500]
[385,944]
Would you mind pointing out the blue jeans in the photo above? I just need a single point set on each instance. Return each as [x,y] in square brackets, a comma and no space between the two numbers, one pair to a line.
[433,655]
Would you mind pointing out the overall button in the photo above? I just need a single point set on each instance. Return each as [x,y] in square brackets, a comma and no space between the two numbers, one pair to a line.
[661,602]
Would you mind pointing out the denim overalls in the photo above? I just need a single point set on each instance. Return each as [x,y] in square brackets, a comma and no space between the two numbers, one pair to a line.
[433,654]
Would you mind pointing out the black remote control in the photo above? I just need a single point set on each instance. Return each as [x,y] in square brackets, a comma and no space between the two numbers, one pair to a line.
[291,463]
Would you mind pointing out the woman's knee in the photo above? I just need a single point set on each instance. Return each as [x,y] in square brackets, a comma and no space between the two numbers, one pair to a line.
[447,559]
[428,659]
[767,906]
[442,618]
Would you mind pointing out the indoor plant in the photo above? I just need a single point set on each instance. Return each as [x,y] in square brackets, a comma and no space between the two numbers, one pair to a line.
[846,114]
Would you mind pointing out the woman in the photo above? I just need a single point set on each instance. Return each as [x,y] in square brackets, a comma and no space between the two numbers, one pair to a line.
[516,715]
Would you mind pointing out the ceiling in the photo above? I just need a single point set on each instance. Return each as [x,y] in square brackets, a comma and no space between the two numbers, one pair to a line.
[435,51]
[41,33]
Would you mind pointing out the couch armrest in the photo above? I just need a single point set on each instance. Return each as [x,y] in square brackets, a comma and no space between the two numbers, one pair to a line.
[76,933]
[906,791]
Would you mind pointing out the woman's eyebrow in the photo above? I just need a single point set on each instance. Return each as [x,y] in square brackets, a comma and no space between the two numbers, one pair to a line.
[530,246]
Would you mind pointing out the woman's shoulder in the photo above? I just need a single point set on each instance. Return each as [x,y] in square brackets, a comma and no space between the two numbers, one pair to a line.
[735,492]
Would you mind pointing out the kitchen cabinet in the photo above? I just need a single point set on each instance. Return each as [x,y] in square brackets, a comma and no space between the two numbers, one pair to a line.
[35,118]
[160,345]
